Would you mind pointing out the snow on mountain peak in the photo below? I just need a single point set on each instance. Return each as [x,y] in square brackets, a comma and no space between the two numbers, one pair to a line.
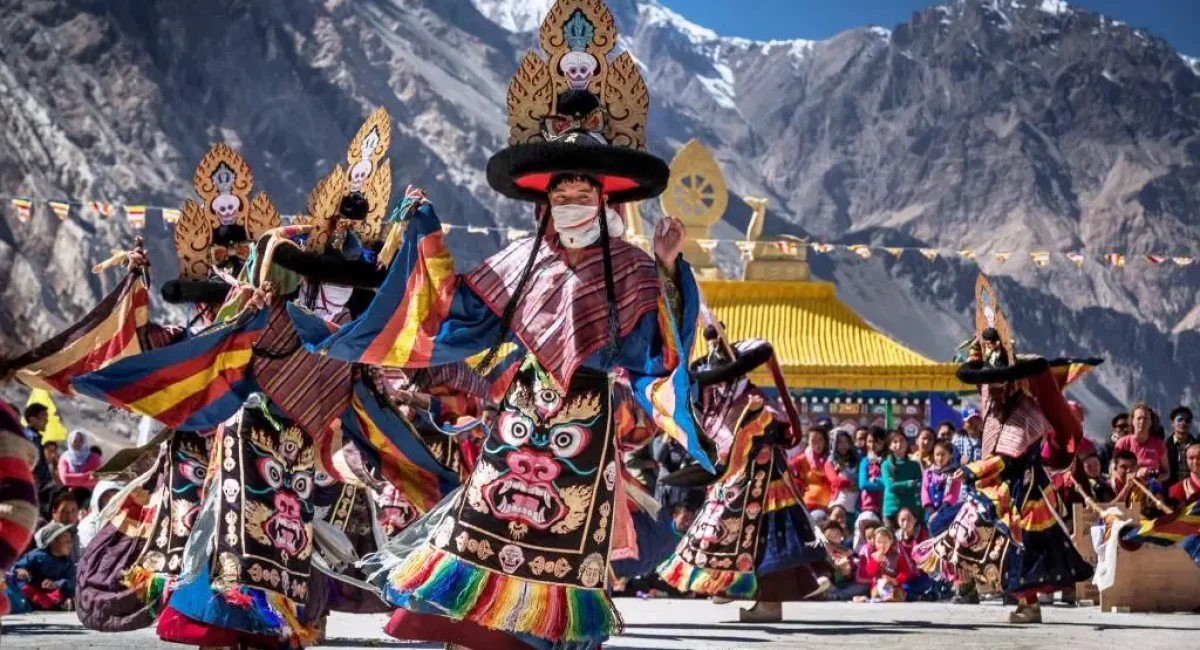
[1055,7]
[653,13]
[516,16]
[1192,62]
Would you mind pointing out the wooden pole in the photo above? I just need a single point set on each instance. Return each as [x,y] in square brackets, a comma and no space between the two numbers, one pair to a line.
[1158,503]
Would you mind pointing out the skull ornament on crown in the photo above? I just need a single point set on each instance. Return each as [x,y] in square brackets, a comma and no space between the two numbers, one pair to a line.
[226,204]
[362,169]
[216,232]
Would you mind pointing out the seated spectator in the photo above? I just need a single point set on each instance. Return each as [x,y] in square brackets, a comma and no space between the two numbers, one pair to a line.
[845,586]
[1150,451]
[938,485]
[840,516]
[909,531]
[90,525]
[682,516]
[1125,468]
[901,480]
[813,473]
[1120,428]
[923,453]
[864,528]
[77,463]
[1097,487]
[887,567]
[46,575]
[1179,441]
[845,465]
[51,452]
[870,473]
[862,441]
[1187,489]
[945,431]
[968,443]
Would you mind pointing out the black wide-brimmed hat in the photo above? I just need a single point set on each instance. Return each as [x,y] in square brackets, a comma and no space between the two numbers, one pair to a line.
[718,368]
[979,373]
[525,170]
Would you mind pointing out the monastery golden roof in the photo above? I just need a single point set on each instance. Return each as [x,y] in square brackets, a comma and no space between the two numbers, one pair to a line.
[819,341]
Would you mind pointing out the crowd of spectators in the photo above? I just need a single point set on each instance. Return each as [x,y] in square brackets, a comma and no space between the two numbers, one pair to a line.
[872,491]
[69,504]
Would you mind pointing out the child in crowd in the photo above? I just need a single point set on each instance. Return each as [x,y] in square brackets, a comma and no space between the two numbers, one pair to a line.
[1187,489]
[845,585]
[887,568]
[46,575]
[1124,467]
[1097,487]
[870,473]
[923,454]
[840,516]
[938,485]
[901,480]
[864,528]
[844,460]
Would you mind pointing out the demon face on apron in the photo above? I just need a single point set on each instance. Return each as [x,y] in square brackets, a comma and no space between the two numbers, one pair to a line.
[264,536]
[539,504]
[178,501]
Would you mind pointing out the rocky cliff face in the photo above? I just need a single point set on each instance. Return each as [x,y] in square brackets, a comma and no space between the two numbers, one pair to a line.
[1001,125]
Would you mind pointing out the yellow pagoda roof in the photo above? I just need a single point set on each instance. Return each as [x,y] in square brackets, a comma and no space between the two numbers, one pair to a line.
[819,341]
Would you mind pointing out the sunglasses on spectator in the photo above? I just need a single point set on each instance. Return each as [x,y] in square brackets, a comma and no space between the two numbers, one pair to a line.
[1180,419]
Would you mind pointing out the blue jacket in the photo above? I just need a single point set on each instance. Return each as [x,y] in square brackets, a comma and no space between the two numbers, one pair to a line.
[41,565]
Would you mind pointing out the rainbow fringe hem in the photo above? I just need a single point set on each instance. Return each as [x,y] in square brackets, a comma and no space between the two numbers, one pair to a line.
[684,577]
[465,591]
[151,588]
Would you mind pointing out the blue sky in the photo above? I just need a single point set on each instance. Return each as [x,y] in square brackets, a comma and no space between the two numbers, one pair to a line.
[1178,21]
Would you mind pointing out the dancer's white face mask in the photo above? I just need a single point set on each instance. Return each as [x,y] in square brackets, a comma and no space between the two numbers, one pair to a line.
[578,226]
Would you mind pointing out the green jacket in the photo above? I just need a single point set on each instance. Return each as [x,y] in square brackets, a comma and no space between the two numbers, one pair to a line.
[901,486]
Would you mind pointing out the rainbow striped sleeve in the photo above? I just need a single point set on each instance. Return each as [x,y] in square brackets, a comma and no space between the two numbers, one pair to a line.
[191,385]
[421,316]
[390,442]
[662,385]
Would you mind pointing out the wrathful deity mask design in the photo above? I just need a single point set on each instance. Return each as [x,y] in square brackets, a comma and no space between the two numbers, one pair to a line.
[539,496]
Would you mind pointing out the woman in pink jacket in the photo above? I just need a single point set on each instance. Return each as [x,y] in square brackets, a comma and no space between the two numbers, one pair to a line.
[77,463]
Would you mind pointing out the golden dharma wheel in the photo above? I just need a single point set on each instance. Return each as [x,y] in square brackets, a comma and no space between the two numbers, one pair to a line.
[697,194]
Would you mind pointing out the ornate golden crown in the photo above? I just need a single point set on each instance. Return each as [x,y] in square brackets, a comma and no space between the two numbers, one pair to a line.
[366,171]
[989,315]
[579,36]
[223,181]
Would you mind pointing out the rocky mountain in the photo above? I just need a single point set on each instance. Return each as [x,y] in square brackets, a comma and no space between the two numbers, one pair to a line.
[1000,125]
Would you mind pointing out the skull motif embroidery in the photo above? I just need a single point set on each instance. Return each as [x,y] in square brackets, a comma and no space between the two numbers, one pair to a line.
[226,204]
[511,558]
[361,170]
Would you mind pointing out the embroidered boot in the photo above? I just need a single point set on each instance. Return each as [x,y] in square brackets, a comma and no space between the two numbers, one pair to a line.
[762,612]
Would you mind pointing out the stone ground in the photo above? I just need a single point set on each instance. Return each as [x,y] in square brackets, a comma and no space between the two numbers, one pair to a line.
[697,625]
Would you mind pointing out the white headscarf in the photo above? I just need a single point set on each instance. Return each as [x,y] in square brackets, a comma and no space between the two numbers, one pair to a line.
[76,459]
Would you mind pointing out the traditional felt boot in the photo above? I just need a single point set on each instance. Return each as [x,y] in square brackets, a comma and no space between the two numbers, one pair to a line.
[762,612]
[1026,614]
